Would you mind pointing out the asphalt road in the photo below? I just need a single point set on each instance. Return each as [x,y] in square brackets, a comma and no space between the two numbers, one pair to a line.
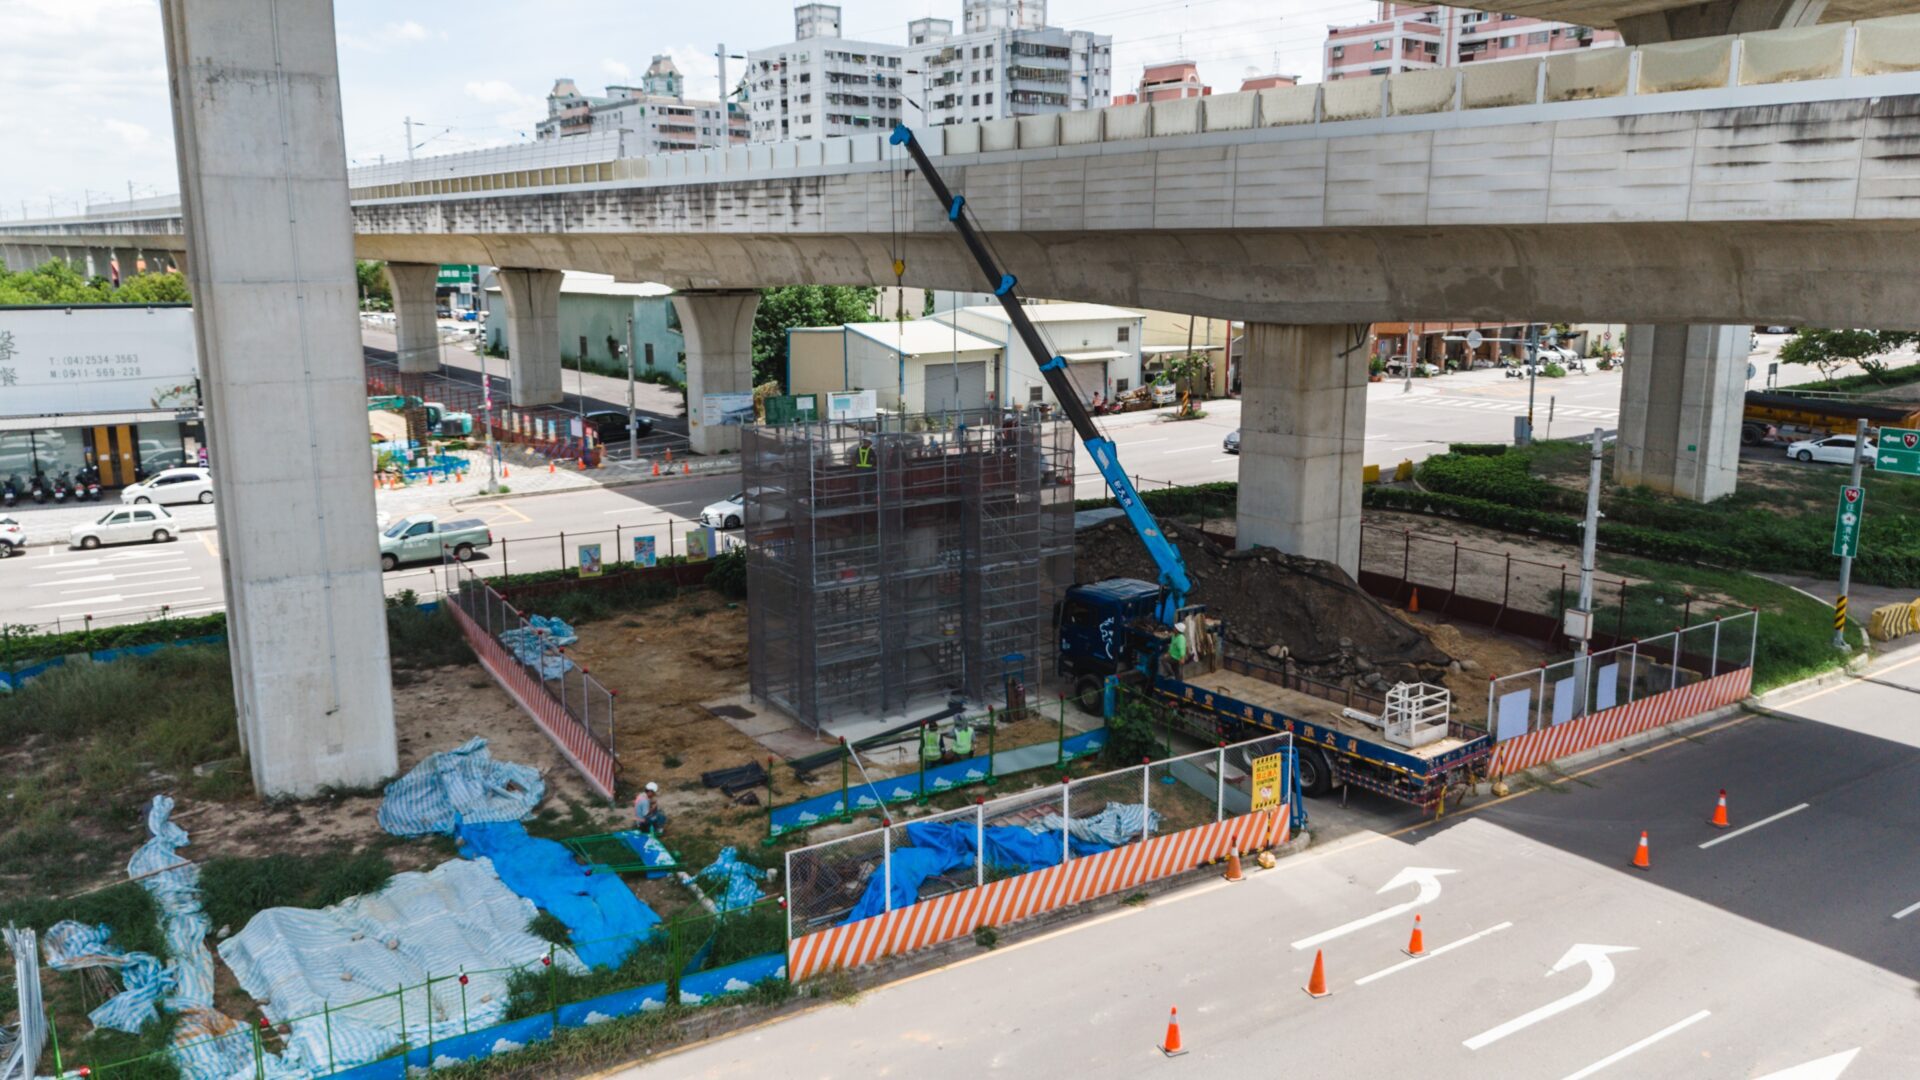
[1741,954]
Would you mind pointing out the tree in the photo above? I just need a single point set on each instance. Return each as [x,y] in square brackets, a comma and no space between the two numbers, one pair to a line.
[51,283]
[376,293]
[158,288]
[789,306]
[1829,350]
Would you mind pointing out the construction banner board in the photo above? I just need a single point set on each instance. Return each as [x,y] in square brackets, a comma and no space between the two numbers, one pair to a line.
[1846,521]
[726,410]
[120,358]
[699,545]
[643,551]
[852,405]
[1898,451]
[1267,794]
[589,560]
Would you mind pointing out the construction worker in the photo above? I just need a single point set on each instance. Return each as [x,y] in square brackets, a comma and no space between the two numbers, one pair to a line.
[863,454]
[646,809]
[963,738]
[1176,654]
[930,742]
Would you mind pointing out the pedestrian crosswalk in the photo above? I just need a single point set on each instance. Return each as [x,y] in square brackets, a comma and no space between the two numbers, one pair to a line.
[1516,408]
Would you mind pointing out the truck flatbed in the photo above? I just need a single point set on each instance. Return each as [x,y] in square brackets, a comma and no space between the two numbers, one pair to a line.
[1322,714]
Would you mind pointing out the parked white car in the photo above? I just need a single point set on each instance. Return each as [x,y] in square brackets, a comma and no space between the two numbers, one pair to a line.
[127,525]
[13,537]
[1834,449]
[728,513]
[171,486]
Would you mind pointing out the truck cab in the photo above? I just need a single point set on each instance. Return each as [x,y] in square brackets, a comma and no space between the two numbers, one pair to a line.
[443,421]
[1094,624]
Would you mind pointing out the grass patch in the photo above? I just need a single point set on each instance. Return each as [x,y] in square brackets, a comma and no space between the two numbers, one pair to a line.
[550,929]
[235,889]
[421,638]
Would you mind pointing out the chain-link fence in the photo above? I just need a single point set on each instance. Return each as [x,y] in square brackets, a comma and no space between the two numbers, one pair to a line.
[1527,596]
[694,958]
[904,863]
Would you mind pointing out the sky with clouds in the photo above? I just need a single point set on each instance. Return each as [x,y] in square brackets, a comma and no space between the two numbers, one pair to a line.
[86,87]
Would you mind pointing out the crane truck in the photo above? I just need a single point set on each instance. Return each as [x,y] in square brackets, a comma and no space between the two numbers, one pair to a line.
[1116,631]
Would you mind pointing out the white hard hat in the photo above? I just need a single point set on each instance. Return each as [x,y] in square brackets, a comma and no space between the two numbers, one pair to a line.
[651,786]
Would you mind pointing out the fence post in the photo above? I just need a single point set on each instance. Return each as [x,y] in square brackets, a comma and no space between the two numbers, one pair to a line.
[979,841]
[563,549]
[1633,668]
[846,802]
[1146,803]
[1066,815]
[1713,665]
[429,1022]
[1506,589]
[259,1054]
[1673,680]
[992,727]
[53,1034]
[506,558]
[1220,782]
[1060,755]
[466,1019]
[616,543]
[788,888]
[406,1043]
[1540,707]
[921,752]
[886,859]
[326,1015]
[1453,587]
[1493,681]
[553,990]
[1406,562]
[1753,639]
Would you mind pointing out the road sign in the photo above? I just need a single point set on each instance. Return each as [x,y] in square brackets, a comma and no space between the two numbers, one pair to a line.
[1846,521]
[1898,451]
[1266,782]
[451,275]
[1474,339]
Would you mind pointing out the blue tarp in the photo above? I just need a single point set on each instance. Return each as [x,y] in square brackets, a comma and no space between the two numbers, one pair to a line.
[940,847]
[71,946]
[460,785]
[736,879]
[603,916]
[650,850]
[808,812]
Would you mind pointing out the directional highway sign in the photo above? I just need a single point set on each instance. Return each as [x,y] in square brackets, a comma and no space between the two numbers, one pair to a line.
[1898,451]
[1846,521]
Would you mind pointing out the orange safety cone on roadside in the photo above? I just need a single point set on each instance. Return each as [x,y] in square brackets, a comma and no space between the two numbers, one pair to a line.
[506,471]
[1417,944]
[1413,602]
[1719,818]
[1317,982]
[1172,1047]
[1233,873]
[549,466]
[1640,859]
[656,468]
[686,469]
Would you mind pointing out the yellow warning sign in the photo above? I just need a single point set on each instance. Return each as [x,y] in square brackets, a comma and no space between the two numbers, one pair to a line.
[1266,782]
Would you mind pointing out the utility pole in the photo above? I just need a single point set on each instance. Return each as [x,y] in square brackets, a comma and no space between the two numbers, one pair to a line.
[1533,373]
[630,432]
[1846,560]
[486,390]
[408,121]
[1582,619]
[720,54]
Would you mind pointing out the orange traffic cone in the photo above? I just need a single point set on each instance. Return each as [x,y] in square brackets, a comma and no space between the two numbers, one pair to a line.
[1172,1047]
[506,471]
[686,469]
[1719,818]
[429,479]
[1317,982]
[1233,865]
[1640,859]
[656,468]
[1413,603]
[1417,944]
[549,466]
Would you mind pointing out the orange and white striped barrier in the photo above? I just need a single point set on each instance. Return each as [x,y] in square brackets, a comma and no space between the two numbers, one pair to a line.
[1009,900]
[1598,729]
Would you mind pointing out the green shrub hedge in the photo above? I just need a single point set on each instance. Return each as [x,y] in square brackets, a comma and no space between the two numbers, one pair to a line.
[1627,539]
[19,648]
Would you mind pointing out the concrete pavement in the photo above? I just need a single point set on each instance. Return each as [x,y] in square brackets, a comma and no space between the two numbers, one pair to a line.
[1741,953]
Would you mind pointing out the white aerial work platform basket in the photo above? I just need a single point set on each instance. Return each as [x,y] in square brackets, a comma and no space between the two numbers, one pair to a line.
[1416,714]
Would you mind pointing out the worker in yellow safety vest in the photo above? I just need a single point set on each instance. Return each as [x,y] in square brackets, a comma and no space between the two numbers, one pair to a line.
[863,456]
[930,742]
[963,738]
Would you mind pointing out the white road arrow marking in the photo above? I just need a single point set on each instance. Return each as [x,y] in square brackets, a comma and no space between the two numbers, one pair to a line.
[1600,965]
[1827,1068]
[1428,879]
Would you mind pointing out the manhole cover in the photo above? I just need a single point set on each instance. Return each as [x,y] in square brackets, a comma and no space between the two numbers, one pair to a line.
[730,712]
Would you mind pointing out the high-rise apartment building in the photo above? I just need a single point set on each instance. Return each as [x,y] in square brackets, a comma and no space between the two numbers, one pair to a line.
[820,85]
[657,114]
[1416,37]
[1005,61]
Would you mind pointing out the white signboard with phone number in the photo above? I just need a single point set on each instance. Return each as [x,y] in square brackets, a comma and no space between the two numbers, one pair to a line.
[92,360]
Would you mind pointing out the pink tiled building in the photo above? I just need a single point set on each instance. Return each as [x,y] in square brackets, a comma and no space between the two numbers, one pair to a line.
[1415,37]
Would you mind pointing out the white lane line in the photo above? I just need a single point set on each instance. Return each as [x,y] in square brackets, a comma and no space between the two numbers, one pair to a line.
[162,592]
[1139,442]
[648,507]
[1639,1046]
[1906,911]
[182,568]
[1186,450]
[1749,828]
[1431,953]
[1218,460]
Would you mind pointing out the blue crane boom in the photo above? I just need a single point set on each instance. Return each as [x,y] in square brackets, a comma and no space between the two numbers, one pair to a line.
[1166,557]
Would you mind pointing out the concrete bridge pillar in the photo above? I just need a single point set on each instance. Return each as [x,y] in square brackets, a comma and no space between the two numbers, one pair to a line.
[416,328]
[1680,407]
[718,328]
[255,88]
[533,334]
[1303,419]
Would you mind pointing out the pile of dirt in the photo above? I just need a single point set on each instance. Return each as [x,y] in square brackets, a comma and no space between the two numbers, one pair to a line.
[1285,606]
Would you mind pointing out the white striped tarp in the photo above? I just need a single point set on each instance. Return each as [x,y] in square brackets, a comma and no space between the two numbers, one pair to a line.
[1601,728]
[1009,900]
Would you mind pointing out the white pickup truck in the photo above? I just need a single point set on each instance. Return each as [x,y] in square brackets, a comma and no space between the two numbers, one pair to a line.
[419,537]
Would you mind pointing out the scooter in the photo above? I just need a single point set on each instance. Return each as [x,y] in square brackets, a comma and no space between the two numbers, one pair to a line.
[39,488]
[89,484]
[62,485]
[10,492]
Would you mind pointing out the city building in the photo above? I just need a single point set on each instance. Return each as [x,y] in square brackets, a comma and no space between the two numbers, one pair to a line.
[1101,345]
[820,85]
[919,366]
[1267,82]
[1005,61]
[1170,81]
[593,320]
[657,115]
[1417,37]
[58,411]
